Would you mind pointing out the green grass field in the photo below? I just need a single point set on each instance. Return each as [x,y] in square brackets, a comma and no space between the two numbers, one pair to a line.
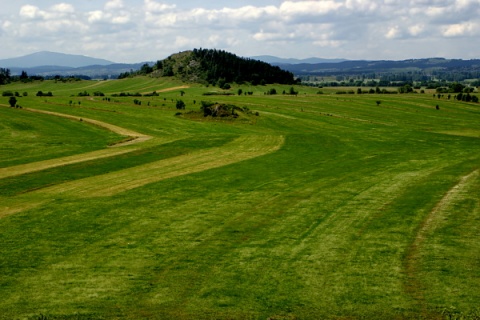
[323,206]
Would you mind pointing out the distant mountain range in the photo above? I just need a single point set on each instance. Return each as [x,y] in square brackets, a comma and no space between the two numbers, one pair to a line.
[46,58]
[51,63]
[386,66]
[281,61]
[47,63]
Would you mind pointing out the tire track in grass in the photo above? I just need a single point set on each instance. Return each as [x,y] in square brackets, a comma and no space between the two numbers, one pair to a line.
[413,285]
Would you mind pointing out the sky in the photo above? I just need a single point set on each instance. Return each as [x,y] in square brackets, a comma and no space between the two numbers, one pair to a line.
[130,31]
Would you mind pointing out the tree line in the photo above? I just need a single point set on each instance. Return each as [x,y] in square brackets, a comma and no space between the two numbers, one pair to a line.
[225,66]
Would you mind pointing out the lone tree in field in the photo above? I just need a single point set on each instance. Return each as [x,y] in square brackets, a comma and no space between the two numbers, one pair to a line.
[180,105]
[378,102]
[12,101]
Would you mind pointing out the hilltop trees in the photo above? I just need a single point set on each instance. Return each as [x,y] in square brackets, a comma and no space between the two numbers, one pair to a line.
[219,64]
[217,67]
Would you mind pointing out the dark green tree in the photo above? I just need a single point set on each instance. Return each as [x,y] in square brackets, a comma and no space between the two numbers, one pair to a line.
[24,76]
[4,76]
[456,87]
[12,101]
[180,105]
[146,69]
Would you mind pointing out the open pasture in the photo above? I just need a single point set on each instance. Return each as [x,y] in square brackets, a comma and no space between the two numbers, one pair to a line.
[322,206]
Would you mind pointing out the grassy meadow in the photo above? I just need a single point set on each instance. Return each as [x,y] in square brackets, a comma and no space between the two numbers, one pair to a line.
[322,206]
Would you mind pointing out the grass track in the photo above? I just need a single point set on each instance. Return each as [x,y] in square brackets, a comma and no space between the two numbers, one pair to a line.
[113,183]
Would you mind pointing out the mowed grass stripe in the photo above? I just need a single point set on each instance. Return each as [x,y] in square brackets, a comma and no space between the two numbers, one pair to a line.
[52,163]
[108,126]
[243,148]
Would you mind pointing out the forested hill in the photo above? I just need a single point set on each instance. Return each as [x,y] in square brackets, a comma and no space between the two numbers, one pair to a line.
[219,67]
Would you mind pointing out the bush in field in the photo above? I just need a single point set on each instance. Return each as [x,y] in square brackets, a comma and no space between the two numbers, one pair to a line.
[43,94]
[180,105]
[12,101]
[272,91]
[221,110]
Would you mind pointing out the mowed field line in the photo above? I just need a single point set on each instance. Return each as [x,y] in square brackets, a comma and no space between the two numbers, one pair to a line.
[242,148]
[57,162]
[108,126]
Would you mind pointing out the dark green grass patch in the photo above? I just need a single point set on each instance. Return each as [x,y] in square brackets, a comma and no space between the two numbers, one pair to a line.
[28,137]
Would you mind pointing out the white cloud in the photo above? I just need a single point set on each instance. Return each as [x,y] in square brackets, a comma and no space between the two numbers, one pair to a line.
[114,5]
[339,27]
[30,12]
[416,30]
[63,8]
[461,29]
[308,8]
[157,7]
[393,33]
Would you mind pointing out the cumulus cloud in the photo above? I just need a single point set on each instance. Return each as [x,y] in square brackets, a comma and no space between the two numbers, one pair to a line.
[329,28]
[30,12]
[461,29]
[114,5]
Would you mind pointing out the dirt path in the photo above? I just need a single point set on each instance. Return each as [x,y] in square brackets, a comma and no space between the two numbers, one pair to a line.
[413,285]
[108,126]
[166,89]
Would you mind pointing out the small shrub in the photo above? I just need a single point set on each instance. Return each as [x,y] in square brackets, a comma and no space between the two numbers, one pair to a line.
[180,105]
[12,101]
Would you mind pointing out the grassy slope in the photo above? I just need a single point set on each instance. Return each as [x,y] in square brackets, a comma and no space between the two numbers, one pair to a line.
[343,221]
